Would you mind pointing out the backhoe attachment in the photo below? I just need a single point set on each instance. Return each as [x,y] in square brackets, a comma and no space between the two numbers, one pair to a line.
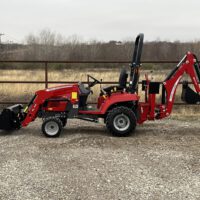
[189,95]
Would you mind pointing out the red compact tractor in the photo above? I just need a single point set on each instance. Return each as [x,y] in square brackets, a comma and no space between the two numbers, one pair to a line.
[118,105]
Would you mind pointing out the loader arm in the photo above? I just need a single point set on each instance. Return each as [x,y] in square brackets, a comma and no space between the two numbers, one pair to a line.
[188,65]
[41,96]
[33,109]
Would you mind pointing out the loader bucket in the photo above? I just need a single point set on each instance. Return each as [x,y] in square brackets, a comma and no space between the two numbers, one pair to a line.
[189,95]
[10,117]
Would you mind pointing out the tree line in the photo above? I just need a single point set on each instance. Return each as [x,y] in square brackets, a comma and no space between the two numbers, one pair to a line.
[48,45]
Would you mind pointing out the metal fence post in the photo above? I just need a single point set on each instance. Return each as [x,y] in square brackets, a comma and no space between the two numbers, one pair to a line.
[46,74]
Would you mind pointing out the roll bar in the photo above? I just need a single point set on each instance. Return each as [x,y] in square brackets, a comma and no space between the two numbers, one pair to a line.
[137,50]
[134,73]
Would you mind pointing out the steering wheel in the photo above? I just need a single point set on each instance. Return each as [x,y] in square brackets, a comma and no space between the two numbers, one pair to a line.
[95,81]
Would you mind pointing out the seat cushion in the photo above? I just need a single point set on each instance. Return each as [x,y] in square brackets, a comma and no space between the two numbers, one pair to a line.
[112,88]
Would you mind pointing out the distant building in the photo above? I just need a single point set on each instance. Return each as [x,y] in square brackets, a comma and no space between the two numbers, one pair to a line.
[113,42]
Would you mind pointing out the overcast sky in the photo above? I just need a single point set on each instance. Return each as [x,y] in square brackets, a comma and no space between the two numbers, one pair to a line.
[102,19]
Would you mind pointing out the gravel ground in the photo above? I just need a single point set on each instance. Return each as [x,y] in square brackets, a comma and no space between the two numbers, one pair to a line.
[161,160]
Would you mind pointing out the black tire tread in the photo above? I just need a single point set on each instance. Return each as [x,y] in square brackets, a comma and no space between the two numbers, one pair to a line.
[112,113]
[57,120]
[64,121]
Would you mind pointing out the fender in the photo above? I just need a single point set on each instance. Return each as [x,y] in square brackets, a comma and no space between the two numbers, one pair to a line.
[117,98]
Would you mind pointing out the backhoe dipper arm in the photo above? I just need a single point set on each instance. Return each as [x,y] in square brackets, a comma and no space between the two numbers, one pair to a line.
[188,65]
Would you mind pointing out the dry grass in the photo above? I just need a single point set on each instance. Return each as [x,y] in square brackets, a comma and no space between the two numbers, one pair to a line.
[23,92]
[10,91]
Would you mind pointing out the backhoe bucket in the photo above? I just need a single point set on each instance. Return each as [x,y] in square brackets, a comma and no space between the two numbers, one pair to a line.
[10,117]
[189,95]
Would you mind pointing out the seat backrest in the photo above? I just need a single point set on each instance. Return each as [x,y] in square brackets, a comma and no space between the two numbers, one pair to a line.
[123,78]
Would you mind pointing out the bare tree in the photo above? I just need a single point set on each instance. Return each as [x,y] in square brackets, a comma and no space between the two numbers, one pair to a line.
[48,45]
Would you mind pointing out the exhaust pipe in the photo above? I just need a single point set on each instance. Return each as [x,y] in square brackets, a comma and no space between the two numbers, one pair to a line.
[11,117]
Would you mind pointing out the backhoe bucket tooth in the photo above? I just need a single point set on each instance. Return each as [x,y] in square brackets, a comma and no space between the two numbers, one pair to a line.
[189,95]
[10,118]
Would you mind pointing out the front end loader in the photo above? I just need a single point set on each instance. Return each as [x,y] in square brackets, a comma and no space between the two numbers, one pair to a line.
[11,117]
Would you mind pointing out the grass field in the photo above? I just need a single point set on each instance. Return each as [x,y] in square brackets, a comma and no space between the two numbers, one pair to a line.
[10,91]
[23,92]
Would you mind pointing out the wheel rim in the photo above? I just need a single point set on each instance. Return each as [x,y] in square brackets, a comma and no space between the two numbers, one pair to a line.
[51,128]
[121,122]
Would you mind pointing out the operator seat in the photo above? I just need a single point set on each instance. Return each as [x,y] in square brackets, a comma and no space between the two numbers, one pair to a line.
[122,83]
[83,95]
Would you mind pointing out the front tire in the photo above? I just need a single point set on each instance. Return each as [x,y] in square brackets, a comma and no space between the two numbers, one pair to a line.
[52,127]
[121,121]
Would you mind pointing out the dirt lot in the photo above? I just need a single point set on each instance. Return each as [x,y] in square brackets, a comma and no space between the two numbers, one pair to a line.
[161,160]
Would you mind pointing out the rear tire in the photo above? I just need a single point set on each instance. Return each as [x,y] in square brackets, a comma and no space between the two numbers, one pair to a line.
[121,121]
[52,127]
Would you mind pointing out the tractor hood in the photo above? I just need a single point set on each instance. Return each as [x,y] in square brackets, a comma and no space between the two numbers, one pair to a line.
[59,87]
